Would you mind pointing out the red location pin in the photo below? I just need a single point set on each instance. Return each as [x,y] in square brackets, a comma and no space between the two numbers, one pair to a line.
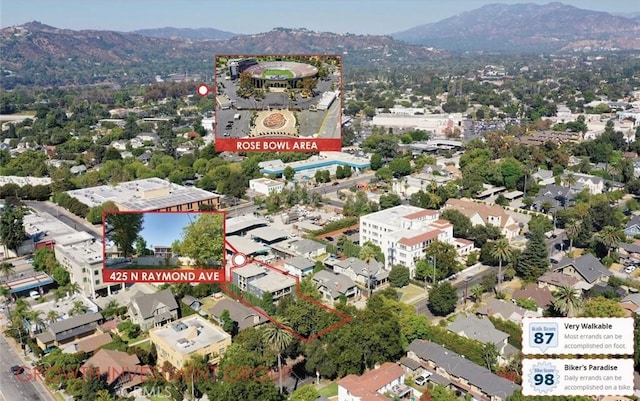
[203,90]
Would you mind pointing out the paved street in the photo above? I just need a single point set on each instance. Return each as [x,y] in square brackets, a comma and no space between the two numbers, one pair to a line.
[66,217]
[20,387]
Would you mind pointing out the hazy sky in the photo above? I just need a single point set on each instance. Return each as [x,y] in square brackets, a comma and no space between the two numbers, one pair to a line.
[253,16]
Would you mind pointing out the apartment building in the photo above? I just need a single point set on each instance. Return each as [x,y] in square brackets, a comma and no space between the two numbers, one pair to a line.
[177,342]
[403,232]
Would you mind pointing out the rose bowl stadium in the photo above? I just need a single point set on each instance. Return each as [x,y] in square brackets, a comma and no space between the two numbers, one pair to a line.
[280,74]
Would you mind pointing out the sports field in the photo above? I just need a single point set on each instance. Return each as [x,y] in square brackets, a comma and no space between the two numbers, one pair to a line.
[282,73]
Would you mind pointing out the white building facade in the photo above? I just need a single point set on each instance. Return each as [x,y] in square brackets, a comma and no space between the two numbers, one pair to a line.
[403,232]
[266,186]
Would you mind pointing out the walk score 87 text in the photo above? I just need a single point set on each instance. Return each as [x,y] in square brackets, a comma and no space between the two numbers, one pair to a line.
[163,276]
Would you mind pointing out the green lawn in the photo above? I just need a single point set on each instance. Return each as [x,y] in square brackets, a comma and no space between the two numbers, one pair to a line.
[284,73]
[329,391]
[409,292]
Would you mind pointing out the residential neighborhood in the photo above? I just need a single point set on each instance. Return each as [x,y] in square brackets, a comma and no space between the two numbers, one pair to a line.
[460,195]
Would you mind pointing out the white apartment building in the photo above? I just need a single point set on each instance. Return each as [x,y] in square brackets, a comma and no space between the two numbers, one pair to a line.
[403,232]
[266,186]
[81,255]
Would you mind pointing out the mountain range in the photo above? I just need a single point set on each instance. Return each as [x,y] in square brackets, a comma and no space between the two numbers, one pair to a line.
[534,27]
[38,54]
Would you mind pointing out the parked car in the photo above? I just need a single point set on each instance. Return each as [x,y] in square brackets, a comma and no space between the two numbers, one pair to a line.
[16,370]
[34,294]
[630,269]
[423,379]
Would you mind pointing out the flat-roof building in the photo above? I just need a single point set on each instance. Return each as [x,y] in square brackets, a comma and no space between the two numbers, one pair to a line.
[193,335]
[258,279]
[83,260]
[323,161]
[148,195]
[266,186]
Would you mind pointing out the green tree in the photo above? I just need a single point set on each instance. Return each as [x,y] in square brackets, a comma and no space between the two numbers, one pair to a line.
[442,299]
[502,251]
[602,307]
[141,247]
[446,258]
[572,230]
[7,269]
[202,239]
[389,200]
[399,276]
[305,393]
[228,324]
[12,232]
[476,292]
[534,260]
[288,173]
[610,237]
[566,301]
[122,229]
[61,276]
[279,339]
[376,161]
[461,223]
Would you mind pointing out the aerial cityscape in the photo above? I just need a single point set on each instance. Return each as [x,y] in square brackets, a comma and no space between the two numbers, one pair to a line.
[327,201]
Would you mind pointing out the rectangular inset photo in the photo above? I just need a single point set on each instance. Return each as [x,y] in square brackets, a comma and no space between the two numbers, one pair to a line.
[273,103]
[164,246]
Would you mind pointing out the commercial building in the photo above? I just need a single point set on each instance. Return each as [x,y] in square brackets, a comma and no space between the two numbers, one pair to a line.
[403,232]
[306,169]
[193,335]
[265,186]
[148,195]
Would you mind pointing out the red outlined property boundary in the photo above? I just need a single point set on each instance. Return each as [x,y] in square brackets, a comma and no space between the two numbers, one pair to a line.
[225,288]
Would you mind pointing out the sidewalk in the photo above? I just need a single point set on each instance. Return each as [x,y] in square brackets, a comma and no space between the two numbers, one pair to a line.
[28,361]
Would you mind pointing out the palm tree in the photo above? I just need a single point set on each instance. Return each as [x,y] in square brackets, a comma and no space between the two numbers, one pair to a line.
[35,318]
[52,316]
[5,292]
[570,180]
[78,308]
[502,251]
[566,300]
[72,288]
[573,230]
[368,253]
[477,291]
[278,338]
[59,293]
[7,269]
[610,237]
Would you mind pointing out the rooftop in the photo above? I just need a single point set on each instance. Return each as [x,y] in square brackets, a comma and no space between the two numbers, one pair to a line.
[323,159]
[242,223]
[190,334]
[89,252]
[22,181]
[267,181]
[48,226]
[244,244]
[141,195]
[273,281]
